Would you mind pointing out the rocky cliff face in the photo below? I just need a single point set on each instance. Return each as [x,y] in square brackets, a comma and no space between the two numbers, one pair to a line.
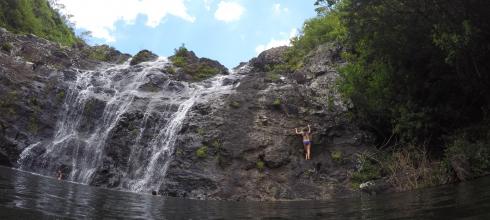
[239,145]
[32,89]
[250,148]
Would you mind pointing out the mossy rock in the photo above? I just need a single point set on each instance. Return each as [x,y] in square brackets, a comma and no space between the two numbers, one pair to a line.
[195,68]
[106,53]
[143,56]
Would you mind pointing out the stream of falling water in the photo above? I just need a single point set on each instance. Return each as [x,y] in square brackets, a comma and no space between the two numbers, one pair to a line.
[96,105]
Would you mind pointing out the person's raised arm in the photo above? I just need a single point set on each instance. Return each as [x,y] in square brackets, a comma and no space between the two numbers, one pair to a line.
[309,128]
[296,129]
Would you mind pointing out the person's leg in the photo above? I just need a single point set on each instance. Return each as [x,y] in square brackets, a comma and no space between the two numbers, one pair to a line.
[309,151]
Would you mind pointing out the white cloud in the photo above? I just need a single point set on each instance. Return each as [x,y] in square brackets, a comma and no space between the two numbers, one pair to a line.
[207,4]
[99,16]
[229,11]
[278,9]
[277,43]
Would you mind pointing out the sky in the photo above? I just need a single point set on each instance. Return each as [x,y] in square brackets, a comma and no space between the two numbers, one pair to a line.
[230,31]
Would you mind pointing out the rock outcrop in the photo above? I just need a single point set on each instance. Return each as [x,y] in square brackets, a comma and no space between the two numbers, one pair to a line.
[188,67]
[241,146]
[143,56]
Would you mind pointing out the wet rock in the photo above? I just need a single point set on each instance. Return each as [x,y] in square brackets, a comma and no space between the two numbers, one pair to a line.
[92,112]
[374,187]
[156,82]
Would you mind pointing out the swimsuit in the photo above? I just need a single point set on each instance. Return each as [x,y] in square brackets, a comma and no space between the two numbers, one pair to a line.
[306,142]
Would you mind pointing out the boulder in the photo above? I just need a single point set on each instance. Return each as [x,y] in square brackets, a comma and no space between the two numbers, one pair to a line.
[269,58]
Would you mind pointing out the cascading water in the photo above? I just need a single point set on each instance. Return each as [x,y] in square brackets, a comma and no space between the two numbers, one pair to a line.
[131,114]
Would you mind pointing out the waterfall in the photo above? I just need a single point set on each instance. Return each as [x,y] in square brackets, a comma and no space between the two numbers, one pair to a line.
[123,119]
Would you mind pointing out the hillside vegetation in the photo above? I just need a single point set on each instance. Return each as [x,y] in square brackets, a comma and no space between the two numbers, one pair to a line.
[417,74]
[36,17]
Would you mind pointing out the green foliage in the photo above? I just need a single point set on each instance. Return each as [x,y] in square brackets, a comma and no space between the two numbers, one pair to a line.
[235,104]
[205,71]
[277,102]
[170,70]
[181,51]
[369,170]
[414,74]
[336,156]
[7,47]
[60,96]
[185,60]
[471,145]
[327,27]
[178,61]
[36,17]
[404,168]
[100,53]
[143,56]
[200,131]
[272,76]
[216,144]
[179,57]
[202,152]
[260,165]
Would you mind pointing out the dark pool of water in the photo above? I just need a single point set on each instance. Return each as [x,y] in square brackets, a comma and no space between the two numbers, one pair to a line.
[27,196]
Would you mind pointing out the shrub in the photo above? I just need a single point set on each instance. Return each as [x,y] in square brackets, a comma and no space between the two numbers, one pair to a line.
[272,76]
[235,104]
[178,61]
[369,169]
[260,165]
[205,71]
[410,168]
[169,70]
[404,169]
[277,102]
[7,47]
[216,144]
[202,152]
[336,155]
[200,131]
[471,150]
[181,51]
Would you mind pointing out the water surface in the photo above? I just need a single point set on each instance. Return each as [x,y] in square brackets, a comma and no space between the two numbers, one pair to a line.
[28,196]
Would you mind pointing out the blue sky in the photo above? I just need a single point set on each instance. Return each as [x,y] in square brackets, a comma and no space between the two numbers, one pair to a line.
[230,31]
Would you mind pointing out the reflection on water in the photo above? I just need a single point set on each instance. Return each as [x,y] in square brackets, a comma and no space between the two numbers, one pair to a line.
[24,195]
